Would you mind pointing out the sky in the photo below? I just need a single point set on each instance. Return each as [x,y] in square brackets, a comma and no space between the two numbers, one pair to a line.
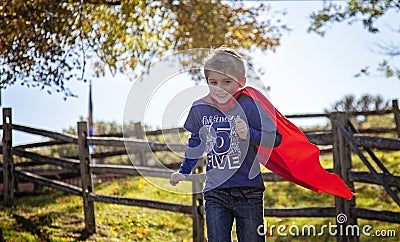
[306,74]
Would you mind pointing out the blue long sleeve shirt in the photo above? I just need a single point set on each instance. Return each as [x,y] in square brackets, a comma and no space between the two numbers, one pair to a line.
[230,160]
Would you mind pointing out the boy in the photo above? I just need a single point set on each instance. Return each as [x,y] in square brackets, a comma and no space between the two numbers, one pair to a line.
[228,128]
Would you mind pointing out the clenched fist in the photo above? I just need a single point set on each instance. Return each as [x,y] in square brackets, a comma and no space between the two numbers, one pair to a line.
[241,128]
[176,177]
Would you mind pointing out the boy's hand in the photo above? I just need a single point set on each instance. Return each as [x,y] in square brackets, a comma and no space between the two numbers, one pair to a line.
[241,128]
[176,177]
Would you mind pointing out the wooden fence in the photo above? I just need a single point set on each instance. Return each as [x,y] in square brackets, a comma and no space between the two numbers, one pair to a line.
[342,137]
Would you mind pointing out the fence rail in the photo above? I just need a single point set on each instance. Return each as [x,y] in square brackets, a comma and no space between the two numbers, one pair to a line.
[81,164]
[28,176]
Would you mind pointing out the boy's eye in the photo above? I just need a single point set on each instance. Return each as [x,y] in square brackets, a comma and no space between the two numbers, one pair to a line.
[227,82]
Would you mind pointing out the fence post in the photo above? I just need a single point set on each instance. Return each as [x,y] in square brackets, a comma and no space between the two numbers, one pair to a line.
[86,178]
[8,163]
[342,166]
[139,134]
[396,112]
[198,207]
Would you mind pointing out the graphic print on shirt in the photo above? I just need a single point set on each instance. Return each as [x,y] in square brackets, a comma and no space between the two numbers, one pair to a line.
[222,146]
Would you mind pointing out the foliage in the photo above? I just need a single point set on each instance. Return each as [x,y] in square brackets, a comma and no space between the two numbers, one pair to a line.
[35,39]
[47,43]
[368,13]
[367,102]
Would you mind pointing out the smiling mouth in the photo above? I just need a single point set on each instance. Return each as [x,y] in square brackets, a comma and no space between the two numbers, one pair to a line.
[221,94]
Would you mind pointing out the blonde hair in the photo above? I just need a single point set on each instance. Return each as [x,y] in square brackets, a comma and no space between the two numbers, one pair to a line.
[227,61]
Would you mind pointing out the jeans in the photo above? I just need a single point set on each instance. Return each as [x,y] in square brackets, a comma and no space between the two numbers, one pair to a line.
[244,204]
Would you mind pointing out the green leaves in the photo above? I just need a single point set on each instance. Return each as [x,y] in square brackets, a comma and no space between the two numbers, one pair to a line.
[45,43]
[368,13]
[355,10]
[35,38]
[367,102]
[388,70]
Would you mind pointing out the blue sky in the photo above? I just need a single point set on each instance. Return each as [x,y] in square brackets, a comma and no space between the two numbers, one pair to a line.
[306,74]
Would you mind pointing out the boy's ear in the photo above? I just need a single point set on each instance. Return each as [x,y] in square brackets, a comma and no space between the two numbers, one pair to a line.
[243,81]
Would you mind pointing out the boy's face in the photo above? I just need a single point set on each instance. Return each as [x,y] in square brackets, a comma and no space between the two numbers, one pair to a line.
[222,87]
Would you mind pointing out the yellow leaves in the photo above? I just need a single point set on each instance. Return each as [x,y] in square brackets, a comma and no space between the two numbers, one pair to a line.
[140,233]
[140,30]
[198,12]
[237,33]
[141,184]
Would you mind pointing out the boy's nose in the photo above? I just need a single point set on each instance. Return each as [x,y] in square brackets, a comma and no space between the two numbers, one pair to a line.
[219,88]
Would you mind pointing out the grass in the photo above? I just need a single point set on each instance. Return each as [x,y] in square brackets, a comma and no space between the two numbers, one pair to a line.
[55,216]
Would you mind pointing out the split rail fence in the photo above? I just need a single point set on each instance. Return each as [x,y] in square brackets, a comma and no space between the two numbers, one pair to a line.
[343,137]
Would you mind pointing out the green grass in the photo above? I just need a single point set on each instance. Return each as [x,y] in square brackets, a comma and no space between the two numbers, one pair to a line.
[55,216]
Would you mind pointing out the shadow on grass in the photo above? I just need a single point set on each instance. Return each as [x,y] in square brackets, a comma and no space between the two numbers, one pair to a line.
[42,226]
[32,225]
[1,235]
[45,226]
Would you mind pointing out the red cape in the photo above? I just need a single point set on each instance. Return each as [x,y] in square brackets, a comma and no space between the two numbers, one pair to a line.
[295,159]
